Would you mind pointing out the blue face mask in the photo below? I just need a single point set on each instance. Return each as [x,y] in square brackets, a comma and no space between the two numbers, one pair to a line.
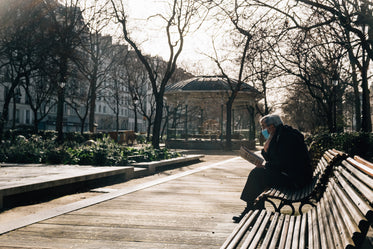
[265,133]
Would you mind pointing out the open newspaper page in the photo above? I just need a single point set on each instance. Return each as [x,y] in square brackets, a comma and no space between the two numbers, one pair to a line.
[253,158]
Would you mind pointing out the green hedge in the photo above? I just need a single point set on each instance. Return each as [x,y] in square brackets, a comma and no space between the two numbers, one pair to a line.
[77,149]
[353,143]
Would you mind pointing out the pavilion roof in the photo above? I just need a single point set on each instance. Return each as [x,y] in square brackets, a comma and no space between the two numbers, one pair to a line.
[207,84]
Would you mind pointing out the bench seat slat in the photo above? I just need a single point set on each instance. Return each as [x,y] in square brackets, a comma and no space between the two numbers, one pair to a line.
[364,165]
[333,235]
[364,208]
[276,223]
[290,234]
[260,232]
[296,233]
[324,234]
[367,191]
[339,216]
[303,229]
[277,233]
[235,237]
[284,233]
[262,219]
[310,230]
[345,208]
[315,230]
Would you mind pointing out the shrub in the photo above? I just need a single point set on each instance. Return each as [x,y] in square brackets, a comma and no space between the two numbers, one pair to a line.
[23,150]
[353,143]
[140,139]
[86,149]
[57,156]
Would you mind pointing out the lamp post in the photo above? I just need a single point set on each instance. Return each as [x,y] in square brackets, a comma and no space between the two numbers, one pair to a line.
[60,105]
[135,100]
[334,81]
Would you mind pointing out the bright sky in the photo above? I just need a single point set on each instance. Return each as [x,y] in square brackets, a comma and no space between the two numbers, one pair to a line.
[150,35]
[154,41]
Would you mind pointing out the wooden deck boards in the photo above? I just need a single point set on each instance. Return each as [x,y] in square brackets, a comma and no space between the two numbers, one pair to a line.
[190,211]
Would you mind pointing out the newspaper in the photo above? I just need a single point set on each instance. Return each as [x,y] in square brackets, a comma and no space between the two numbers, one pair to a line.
[253,158]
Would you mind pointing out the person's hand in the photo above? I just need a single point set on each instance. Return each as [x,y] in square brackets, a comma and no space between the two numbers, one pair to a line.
[266,145]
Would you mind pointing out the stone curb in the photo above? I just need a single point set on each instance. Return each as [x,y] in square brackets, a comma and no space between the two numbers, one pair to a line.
[127,172]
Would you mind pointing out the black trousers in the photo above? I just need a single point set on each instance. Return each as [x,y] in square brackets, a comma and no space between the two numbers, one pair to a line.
[261,179]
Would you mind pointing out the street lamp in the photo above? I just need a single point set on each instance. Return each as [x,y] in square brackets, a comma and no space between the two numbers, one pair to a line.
[62,84]
[60,105]
[135,102]
[334,81]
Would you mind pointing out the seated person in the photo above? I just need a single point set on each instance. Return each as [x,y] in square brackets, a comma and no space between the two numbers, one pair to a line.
[287,162]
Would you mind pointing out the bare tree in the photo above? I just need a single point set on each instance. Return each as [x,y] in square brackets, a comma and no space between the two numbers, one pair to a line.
[354,17]
[39,95]
[314,58]
[19,48]
[137,82]
[67,30]
[178,24]
[115,94]
[250,34]
[101,55]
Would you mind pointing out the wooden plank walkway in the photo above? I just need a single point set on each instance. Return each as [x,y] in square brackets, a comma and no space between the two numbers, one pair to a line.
[191,209]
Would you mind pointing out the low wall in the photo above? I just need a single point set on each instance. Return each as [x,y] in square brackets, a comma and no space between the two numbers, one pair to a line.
[207,144]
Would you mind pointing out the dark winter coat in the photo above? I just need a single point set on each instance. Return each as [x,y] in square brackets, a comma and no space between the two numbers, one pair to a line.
[287,153]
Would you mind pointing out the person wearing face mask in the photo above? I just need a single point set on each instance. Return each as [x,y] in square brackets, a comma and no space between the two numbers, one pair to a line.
[287,162]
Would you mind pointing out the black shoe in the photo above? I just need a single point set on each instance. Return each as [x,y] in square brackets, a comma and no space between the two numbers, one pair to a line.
[237,219]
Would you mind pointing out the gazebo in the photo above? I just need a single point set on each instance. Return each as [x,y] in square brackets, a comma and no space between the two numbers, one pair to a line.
[197,113]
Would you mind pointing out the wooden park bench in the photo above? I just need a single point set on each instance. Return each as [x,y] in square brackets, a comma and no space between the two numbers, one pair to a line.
[340,219]
[308,194]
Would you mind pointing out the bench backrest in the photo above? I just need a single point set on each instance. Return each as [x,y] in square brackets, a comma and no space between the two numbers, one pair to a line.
[340,219]
[348,204]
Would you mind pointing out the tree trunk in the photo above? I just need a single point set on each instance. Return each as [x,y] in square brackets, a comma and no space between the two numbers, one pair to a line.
[92,109]
[61,98]
[5,113]
[157,122]
[330,120]
[366,124]
[149,130]
[228,132]
[356,98]
[36,121]
[59,118]
[82,123]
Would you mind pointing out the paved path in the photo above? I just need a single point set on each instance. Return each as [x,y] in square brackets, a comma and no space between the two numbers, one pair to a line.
[190,208]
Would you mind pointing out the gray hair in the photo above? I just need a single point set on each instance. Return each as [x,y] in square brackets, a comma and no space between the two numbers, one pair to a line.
[272,119]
